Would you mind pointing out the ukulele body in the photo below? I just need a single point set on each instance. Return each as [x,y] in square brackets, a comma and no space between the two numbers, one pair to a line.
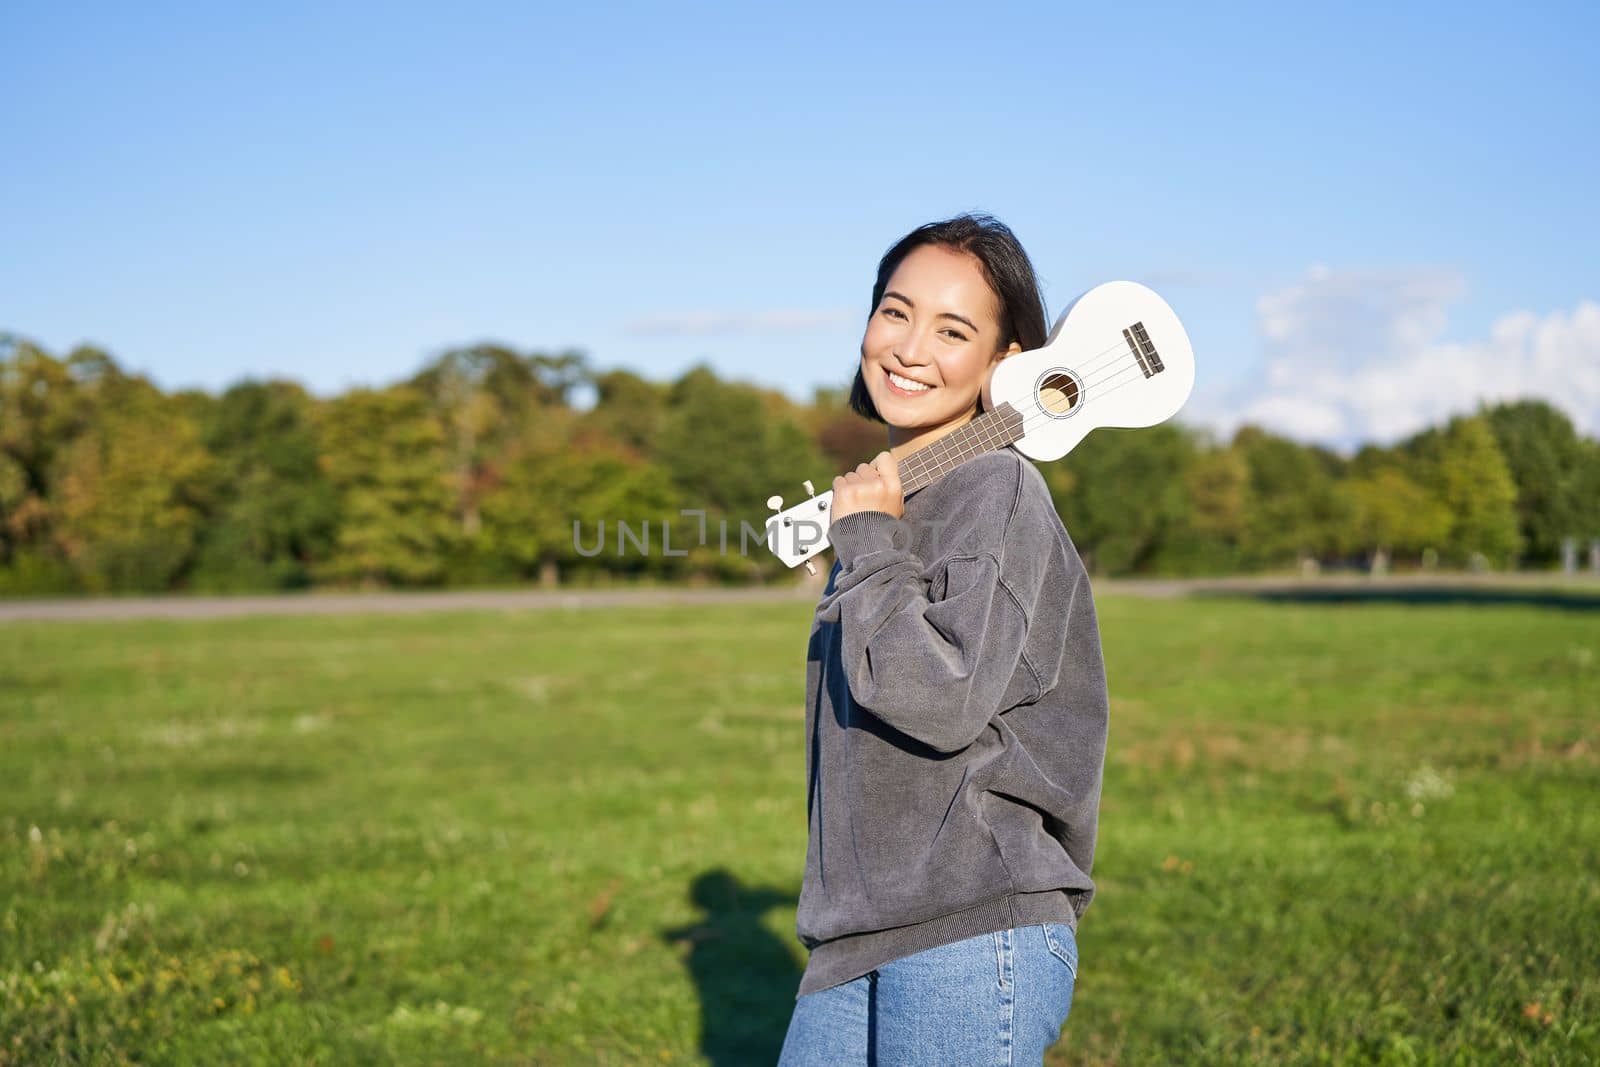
[1118,356]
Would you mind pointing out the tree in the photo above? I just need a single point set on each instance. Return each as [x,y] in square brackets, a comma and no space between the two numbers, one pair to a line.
[1544,454]
[1390,513]
[729,446]
[385,453]
[1463,467]
[592,484]
[1293,512]
[29,560]
[484,397]
[14,498]
[1586,489]
[275,513]
[43,408]
[129,493]
[1127,497]
[629,410]
[1216,483]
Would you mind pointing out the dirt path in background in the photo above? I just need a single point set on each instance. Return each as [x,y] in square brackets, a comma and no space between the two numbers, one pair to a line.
[219,607]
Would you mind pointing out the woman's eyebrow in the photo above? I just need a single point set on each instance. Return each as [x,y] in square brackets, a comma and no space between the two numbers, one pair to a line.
[942,315]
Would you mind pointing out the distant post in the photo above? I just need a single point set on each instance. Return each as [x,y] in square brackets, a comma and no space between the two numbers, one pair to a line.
[1594,555]
[1569,555]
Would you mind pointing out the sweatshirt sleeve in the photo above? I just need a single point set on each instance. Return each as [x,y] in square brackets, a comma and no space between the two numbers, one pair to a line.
[935,670]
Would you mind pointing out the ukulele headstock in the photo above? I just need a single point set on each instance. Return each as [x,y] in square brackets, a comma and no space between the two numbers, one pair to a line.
[796,534]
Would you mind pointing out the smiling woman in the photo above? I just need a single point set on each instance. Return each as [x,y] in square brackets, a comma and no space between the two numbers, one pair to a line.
[956,700]
[951,300]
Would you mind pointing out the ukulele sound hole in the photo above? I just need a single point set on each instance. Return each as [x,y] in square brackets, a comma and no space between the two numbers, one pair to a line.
[1060,392]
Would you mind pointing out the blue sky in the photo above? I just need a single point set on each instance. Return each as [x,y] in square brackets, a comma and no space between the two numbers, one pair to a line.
[1366,217]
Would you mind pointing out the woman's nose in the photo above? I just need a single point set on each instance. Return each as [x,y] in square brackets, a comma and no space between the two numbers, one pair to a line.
[912,351]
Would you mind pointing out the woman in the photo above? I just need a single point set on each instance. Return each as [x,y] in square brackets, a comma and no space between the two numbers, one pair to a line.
[956,712]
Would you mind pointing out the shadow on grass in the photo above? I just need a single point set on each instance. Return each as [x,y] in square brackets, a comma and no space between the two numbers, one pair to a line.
[746,977]
[1421,595]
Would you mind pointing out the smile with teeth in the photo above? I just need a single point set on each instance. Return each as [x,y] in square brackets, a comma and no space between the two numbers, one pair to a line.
[905,385]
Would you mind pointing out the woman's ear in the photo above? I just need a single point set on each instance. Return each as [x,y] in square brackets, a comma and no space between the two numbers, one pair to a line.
[1013,350]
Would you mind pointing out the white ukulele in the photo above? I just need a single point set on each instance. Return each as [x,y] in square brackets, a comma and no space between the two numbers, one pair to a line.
[1117,356]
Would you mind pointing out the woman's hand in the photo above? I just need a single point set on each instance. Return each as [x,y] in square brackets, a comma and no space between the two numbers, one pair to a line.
[871,486]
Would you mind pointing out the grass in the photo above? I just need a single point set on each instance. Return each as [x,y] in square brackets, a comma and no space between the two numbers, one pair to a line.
[1330,833]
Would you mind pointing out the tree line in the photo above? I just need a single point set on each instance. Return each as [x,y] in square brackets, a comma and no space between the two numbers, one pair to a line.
[483,468]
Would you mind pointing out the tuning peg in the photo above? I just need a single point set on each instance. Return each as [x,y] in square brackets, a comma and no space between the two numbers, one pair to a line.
[811,568]
[809,491]
[775,502]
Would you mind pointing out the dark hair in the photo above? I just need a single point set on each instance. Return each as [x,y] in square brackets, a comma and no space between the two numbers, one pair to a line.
[1006,268]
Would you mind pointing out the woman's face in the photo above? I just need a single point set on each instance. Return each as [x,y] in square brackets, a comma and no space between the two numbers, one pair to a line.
[931,341]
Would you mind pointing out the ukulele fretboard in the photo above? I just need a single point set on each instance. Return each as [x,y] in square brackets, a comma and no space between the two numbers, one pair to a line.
[986,433]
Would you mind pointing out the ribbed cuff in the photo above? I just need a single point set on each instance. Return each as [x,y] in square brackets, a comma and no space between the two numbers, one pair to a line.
[861,532]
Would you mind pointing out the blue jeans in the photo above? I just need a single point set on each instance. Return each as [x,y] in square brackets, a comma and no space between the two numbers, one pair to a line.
[996,999]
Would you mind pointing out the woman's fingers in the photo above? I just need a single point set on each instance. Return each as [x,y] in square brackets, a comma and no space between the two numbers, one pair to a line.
[887,469]
[873,486]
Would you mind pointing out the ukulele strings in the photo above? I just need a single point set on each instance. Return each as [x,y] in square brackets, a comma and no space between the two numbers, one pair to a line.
[994,438]
[1097,364]
[1092,365]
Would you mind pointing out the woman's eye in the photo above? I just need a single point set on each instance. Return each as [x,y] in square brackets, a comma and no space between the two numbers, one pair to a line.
[894,313]
[957,334]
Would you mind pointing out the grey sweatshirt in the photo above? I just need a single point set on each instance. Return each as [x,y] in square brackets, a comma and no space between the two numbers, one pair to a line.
[955,721]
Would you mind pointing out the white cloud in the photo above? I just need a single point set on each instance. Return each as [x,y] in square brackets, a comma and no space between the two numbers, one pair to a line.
[702,323]
[1355,356]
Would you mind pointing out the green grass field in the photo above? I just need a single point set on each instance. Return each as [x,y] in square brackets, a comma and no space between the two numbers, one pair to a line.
[1330,833]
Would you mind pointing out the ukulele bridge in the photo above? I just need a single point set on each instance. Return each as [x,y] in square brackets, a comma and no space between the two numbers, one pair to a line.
[1143,351]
